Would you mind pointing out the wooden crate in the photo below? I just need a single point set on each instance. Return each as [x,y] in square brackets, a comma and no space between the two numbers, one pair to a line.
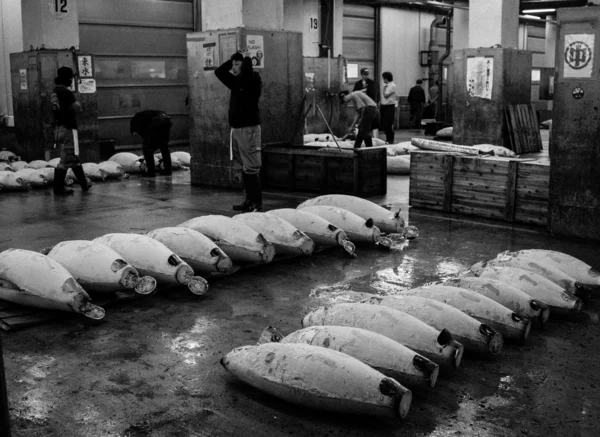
[361,172]
[499,188]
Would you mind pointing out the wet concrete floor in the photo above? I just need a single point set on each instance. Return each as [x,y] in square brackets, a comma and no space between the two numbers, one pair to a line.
[151,367]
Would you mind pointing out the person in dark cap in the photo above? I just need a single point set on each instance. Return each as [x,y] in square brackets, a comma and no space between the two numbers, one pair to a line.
[365,83]
[245,141]
[65,108]
[416,100]
[155,129]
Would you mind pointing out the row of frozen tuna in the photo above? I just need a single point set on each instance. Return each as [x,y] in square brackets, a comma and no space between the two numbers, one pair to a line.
[366,357]
[201,247]
[20,175]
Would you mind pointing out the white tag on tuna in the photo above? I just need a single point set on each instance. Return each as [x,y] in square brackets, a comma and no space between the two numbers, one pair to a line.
[76,141]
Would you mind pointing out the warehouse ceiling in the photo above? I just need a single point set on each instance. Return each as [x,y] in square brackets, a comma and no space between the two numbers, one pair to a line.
[525,5]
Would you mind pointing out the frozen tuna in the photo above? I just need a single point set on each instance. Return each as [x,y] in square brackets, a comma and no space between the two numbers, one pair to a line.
[472,334]
[506,322]
[437,345]
[196,249]
[8,156]
[19,165]
[241,243]
[319,378]
[33,279]
[358,229]
[98,268]
[34,178]
[112,169]
[323,233]
[583,273]
[53,162]
[39,163]
[130,162]
[48,173]
[5,166]
[11,182]
[93,171]
[535,285]
[505,294]
[152,258]
[286,238]
[384,219]
[378,351]
[184,157]
[536,264]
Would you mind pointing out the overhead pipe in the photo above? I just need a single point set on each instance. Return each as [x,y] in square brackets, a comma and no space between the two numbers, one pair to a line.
[441,64]
[433,39]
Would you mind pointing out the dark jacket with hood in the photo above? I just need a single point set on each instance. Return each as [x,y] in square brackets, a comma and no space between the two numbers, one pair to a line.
[245,93]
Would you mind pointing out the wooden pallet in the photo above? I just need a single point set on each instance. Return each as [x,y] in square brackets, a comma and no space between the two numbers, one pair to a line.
[523,128]
[14,316]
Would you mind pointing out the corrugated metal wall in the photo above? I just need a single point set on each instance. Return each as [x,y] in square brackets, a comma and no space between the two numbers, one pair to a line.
[140,61]
[359,35]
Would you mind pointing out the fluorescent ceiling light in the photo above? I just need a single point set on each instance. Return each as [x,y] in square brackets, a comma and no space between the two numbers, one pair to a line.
[535,17]
[538,11]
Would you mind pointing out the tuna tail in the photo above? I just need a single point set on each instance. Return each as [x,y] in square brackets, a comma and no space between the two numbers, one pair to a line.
[346,244]
[46,250]
[198,285]
[411,232]
[145,285]
[384,242]
[269,335]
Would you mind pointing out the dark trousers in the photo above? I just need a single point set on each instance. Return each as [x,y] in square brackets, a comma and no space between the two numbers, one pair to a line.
[369,120]
[416,111]
[387,122]
[156,136]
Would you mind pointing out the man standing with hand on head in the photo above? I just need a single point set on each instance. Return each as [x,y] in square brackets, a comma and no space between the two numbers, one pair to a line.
[244,118]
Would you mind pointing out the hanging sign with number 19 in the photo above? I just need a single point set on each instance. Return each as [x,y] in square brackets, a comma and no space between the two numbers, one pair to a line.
[59,8]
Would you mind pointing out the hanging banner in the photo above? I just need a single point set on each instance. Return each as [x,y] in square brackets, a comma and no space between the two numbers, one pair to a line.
[579,55]
[254,44]
[209,55]
[480,74]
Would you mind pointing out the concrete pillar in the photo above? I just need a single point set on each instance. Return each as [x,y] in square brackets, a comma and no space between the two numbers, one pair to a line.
[493,23]
[551,32]
[460,27]
[252,14]
[11,30]
[50,24]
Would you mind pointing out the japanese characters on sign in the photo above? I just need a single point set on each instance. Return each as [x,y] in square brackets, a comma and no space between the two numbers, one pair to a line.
[579,55]
[480,75]
[84,65]
[23,79]
[209,56]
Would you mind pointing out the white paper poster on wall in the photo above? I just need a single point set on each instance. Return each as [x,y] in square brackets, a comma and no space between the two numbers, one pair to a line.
[254,44]
[480,73]
[87,86]
[23,79]
[579,55]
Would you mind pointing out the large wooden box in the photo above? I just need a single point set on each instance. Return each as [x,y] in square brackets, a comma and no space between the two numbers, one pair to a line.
[360,172]
[500,188]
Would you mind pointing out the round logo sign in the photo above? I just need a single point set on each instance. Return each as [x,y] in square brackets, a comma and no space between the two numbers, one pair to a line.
[577,93]
[578,55]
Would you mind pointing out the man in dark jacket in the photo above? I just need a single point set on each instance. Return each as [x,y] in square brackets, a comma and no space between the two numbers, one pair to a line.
[244,118]
[365,83]
[65,108]
[416,100]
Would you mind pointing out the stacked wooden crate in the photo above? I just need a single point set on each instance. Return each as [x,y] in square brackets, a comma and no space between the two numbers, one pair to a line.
[501,188]
[360,172]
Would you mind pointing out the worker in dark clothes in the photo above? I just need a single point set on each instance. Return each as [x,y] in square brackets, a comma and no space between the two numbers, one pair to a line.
[244,118]
[365,83]
[65,108]
[155,129]
[416,100]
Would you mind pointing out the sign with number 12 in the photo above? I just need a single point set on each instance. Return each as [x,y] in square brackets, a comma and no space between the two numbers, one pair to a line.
[59,8]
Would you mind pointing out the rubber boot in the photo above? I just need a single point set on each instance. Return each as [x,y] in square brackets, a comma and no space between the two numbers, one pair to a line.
[80,174]
[151,168]
[59,183]
[256,193]
[248,189]
[166,156]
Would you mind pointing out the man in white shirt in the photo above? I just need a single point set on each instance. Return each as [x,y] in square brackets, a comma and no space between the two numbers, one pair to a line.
[388,106]
[367,116]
